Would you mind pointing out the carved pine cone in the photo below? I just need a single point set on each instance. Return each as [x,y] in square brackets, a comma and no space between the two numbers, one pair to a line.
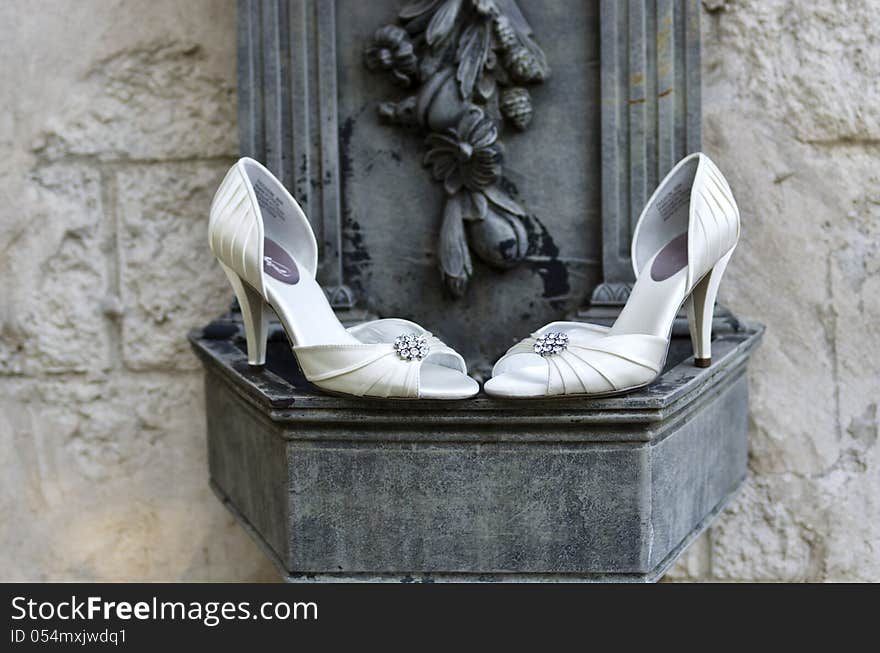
[516,106]
[523,66]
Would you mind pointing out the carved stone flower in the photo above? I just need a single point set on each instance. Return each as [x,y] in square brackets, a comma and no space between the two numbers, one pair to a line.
[467,156]
[392,51]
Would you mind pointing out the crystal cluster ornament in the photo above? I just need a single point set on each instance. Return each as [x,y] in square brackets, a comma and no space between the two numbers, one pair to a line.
[551,343]
[411,347]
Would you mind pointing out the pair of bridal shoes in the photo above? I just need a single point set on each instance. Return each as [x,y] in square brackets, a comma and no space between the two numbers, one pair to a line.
[267,249]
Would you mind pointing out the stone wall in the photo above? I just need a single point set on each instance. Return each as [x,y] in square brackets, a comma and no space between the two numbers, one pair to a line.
[792,114]
[118,122]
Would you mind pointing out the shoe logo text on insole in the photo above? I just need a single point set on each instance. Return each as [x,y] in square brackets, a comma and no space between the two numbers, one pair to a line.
[280,269]
[278,263]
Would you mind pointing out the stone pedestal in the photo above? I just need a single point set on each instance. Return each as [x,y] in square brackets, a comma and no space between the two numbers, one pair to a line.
[483,489]
[479,490]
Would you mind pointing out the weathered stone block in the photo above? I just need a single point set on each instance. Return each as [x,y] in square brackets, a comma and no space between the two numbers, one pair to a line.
[54,264]
[811,66]
[163,228]
[182,111]
[115,468]
[481,489]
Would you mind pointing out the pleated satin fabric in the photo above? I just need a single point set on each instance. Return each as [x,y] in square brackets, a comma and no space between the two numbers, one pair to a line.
[236,231]
[713,227]
[713,219]
[593,362]
[373,367]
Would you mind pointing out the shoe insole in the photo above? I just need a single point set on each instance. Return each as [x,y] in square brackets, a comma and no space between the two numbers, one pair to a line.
[299,300]
[658,293]
[672,258]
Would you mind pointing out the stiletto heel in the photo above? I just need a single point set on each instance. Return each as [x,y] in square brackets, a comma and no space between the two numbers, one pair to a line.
[268,251]
[700,308]
[255,314]
[681,246]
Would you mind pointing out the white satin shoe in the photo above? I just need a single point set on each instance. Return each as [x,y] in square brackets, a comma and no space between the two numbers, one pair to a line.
[266,246]
[681,246]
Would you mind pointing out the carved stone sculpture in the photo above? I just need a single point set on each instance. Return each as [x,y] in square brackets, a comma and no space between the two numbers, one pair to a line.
[467,64]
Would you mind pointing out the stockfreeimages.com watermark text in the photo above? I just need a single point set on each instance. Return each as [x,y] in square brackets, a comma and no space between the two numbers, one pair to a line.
[208,613]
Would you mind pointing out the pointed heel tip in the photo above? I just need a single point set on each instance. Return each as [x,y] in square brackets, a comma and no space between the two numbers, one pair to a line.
[702,362]
[256,367]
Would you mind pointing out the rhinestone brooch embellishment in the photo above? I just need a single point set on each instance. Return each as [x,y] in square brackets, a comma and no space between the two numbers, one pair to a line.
[551,343]
[411,347]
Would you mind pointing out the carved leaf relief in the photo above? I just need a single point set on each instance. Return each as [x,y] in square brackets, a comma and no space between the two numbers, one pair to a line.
[467,63]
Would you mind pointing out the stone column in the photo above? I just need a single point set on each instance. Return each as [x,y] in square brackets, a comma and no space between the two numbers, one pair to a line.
[650,104]
[288,115]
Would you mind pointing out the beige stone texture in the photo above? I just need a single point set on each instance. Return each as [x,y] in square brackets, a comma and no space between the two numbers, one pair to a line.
[168,276]
[791,95]
[118,119]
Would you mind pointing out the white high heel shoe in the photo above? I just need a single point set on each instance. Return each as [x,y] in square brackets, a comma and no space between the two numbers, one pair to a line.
[681,246]
[267,248]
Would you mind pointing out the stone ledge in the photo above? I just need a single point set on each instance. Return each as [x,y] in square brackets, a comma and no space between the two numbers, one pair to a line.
[283,396]
[481,490]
